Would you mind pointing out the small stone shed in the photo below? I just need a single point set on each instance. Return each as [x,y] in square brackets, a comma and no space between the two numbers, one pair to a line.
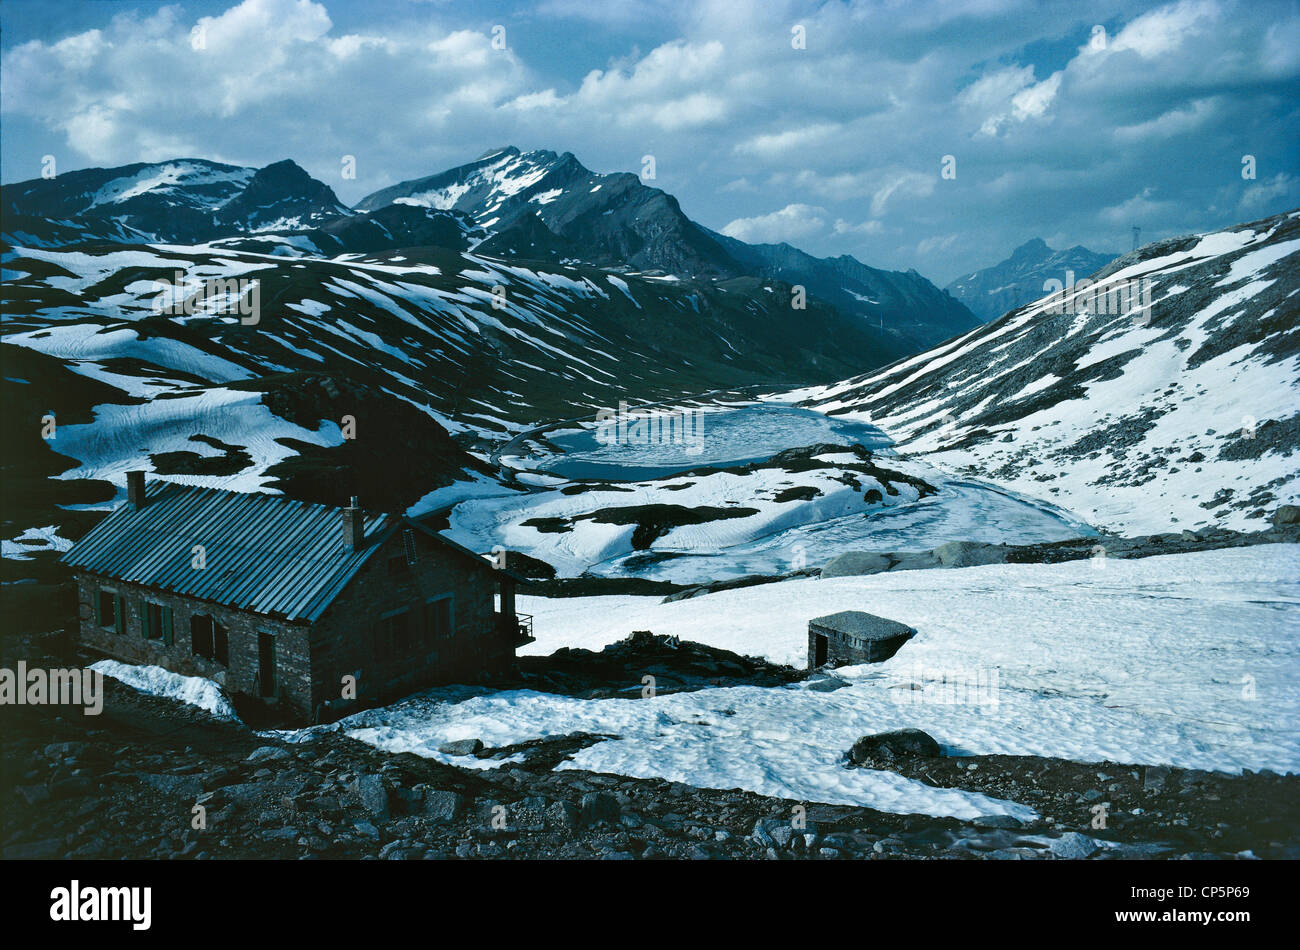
[853,636]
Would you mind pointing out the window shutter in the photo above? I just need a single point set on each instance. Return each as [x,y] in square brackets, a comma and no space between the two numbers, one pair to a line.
[144,619]
[167,631]
[119,613]
[408,545]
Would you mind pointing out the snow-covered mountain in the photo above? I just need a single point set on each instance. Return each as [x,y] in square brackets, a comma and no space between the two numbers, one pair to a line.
[525,206]
[183,201]
[543,206]
[1020,279]
[1177,416]
[411,346]
[608,220]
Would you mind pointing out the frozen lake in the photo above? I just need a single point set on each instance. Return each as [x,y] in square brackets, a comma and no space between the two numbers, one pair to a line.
[681,440]
[581,531]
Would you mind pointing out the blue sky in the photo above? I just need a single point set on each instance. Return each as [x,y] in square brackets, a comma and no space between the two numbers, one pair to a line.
[1071,122]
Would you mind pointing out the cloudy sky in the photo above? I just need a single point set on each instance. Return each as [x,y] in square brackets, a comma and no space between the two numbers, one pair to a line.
[823,124]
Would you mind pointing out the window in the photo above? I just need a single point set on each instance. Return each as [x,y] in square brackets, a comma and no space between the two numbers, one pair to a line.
[156,621]
[110,612]
[390,634]
[439,620]
[208,639]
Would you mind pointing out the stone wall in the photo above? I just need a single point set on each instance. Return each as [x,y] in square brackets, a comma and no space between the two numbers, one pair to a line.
[343,640]
[312,660]
[293,672]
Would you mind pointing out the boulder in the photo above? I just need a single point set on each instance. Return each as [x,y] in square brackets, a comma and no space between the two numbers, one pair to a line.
[1074,846]
[177,786]
[1286,515]
[565,814]
[970,553]
[442,804]
[1155,777]
[267,753]
[599,806]
[461,747]
[855,563]
[369,792]
[895,744]
[686,594]
[915,561]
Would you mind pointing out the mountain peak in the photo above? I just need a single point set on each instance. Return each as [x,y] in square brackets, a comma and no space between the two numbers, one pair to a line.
[284,172]
[1020,278]
[497,152]
[1034,246]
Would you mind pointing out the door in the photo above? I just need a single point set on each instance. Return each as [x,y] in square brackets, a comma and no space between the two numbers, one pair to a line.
[819,651]
[266,664]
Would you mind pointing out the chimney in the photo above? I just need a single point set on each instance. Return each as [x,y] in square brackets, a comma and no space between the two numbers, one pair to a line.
[135,489]
[354,526]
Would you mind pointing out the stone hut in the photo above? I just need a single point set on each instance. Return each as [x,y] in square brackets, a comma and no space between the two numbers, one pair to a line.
[285,601]
[851,637]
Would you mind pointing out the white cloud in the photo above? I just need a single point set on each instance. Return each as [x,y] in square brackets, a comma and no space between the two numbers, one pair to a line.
[1177,121]
[847,134]
[1009,96]
[1259,197]
[910,183]
[792,222]
[1138,208]
[790,143]
[1164,30]
[866,227]
[938,244]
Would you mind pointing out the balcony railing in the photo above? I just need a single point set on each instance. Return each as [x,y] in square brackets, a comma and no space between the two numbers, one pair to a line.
[518,627]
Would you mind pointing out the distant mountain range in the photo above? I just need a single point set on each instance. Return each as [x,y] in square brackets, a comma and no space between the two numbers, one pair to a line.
[1020,279]
[528,206]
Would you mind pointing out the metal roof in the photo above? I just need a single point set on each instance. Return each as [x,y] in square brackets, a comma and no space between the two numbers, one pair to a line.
[267,554]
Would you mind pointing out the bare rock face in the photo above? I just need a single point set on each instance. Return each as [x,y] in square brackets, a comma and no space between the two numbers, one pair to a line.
[887,746]
[970,553]
[856,563]
[1286,515]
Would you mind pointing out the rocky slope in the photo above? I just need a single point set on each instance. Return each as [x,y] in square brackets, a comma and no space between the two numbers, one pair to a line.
[908,311]
[411,347]
[130,782]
